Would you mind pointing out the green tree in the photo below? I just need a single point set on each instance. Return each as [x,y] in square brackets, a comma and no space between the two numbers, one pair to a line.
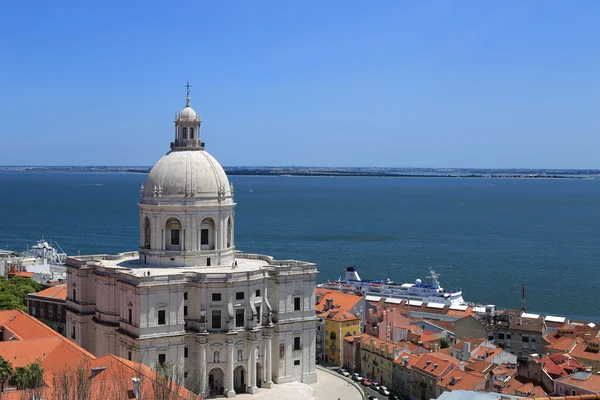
[19,378]
[29,377]
[14,291]
[444,343]
[6,371]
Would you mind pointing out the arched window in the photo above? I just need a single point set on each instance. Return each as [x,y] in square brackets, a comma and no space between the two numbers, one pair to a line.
[191,133]
[229,232]
[207,234]
[173,232]
[147,233]
[184,130]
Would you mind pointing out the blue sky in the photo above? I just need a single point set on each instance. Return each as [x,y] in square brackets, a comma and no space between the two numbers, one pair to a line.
[314,83]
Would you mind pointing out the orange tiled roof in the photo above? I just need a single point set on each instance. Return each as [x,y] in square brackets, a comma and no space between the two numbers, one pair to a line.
[462,380]
[428,362]
[591,384]
[32,341]
[582,350]
[54,292]
[340,316]
[412,359]
[23,274]
[458,346]
[345,301]
[480,366]
[23,326]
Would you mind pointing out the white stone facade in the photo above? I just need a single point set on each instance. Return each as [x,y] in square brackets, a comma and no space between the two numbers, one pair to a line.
[229,322]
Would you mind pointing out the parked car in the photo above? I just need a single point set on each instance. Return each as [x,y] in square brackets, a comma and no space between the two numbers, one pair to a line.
[375,386]
[366,382]
[393,397]
[384,391]
[342,371]
[373,398]
[356,377]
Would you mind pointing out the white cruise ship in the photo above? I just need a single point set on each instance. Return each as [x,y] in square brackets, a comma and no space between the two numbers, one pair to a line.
[417,293]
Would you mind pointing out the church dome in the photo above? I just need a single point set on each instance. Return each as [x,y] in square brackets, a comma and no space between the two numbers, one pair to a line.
[187,177]
[188,113]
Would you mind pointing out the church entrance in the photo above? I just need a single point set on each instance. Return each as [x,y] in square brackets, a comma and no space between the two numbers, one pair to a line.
[239,380]
[215,382]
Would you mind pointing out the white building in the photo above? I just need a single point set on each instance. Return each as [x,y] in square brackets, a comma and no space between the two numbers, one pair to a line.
[235,322]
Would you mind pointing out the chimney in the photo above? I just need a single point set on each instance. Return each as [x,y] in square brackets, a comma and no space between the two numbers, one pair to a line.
[136,387]
[405,361]
[466,353]
[328,304]
[461,365]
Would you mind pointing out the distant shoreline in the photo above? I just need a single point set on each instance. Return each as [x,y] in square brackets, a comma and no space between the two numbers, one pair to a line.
[343,172]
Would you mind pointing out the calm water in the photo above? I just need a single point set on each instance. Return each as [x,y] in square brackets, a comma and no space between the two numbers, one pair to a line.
[486,236]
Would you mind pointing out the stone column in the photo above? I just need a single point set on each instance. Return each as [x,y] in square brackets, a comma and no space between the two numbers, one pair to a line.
[202,368]
[229,391]
[253,350]
[268,360]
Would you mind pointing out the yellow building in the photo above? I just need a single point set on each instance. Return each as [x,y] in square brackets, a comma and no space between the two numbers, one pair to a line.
[338,325]
[377,359]
[339,317]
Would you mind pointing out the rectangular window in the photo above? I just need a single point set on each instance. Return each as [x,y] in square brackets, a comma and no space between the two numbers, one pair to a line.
[42,310]
[129,355]
[175,237]
[216,297]
[74,295]
[204,236]
[525,339]
[208,262]
[257,293]
[162,317]
[258,316]
[185,352]
[491,337]
[296,362]
[130,316]
[51,311]
[297,343]
[191,133]
[185,311]
[239,295]
[239,317]
[184,132]
[162,359]
[501,336]
[73,333]
[296,303]
[508,335]
[216,319]
[185,374]
[185,295]
[60,313]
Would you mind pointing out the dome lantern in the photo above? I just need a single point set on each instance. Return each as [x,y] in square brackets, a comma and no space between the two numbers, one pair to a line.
[187,127]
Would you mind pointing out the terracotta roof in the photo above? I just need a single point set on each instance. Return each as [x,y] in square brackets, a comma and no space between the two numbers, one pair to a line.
[339,316]
[412,359]
[583,351]
[345,301]
[462,380]
[521,386]
[591,384]
[23,327]
[23,274]
[27,340]
[563,344]
[446,325]
[480,366]
[435,363]
[54,292]
[474,343]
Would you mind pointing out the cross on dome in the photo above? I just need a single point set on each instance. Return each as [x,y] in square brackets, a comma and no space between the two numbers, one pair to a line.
[187,97]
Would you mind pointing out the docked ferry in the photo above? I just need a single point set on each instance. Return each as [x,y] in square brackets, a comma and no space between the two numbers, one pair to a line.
[416,292]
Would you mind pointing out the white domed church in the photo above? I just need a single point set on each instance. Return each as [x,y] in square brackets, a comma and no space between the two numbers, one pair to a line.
[226,322]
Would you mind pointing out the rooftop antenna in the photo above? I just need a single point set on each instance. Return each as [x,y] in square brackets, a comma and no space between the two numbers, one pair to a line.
[523,307]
